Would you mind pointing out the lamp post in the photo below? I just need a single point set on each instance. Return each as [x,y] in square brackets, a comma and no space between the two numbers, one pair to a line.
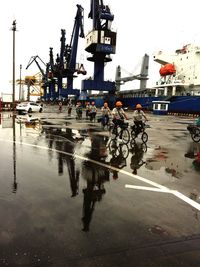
[20,82]
[14,30]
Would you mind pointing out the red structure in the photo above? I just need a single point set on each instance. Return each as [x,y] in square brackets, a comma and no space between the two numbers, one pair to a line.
[167,69]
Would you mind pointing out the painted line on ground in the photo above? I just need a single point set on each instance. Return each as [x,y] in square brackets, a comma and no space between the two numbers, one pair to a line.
[176,193]
[158,187]
[146,188]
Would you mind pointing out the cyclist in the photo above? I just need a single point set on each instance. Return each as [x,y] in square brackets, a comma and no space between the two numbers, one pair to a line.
[138,116]
[105,110]
[118,116]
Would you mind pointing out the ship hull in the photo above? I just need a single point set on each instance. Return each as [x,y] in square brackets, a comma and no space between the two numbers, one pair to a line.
[178,104]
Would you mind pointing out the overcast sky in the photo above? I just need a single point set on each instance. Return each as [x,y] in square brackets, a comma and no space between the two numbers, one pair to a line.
[142,27]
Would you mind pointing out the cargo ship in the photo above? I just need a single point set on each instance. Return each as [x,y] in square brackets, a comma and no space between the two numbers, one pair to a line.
[179,83]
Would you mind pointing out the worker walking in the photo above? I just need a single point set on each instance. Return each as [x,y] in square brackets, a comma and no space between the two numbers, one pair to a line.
[60,106]
[105,110]
[79,110]
[69,108]
[92,111]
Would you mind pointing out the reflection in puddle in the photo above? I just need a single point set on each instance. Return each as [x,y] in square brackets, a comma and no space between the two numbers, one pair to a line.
[137,150]
[166,158]
[193,153]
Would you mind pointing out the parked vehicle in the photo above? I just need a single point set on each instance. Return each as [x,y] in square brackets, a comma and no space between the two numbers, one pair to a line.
[29,107]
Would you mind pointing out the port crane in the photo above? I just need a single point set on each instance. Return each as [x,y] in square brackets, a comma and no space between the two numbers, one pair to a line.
[143,76]
[65,64]
[101,43]
[46,82]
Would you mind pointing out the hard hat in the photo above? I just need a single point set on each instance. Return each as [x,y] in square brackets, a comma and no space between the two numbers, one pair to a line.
[118,104]
[138,106]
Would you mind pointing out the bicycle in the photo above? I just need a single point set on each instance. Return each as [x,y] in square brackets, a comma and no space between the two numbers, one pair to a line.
[116,150]
[135,133]
[194,132]
[121,132]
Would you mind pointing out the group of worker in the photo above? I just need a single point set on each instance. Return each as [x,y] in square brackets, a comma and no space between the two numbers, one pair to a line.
[118,114]
[90,109]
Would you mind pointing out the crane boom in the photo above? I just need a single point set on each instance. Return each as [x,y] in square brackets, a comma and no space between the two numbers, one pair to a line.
[34,58]
[143,76]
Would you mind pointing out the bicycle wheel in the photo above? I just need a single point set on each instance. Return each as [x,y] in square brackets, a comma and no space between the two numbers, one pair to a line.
[113,147]
[123,149]
[196,136]
[133,135]
[144,137]
[125,135]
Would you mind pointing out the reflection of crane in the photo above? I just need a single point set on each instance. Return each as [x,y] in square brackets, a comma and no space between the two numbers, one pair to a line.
[101,42]
[143,76]
[65,65]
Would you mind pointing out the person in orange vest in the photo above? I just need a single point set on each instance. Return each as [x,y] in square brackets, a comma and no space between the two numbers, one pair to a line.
[119,115]
[138,116]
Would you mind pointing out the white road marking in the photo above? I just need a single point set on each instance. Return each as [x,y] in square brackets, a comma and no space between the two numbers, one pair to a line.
[176,193]
[154,189]
[158,187]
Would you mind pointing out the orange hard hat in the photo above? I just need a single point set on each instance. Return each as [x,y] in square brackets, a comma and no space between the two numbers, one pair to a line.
[118,104]
[138,106]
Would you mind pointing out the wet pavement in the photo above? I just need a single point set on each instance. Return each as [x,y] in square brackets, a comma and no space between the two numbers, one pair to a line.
[70,197]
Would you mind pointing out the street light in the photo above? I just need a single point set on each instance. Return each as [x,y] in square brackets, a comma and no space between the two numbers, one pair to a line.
[20,82]
[14,30]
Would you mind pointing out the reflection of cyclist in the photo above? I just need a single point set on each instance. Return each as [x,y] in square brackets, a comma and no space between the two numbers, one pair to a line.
[118,160]
[138,116]
[118,116]
[137,157]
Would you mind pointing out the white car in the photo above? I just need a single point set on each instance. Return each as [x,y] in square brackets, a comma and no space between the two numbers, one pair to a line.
[29,107]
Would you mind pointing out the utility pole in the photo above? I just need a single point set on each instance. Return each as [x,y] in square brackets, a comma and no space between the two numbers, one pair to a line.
[14,30]
[20,82]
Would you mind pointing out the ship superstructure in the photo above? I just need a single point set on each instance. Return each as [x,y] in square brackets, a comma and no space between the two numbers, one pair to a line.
[180,72]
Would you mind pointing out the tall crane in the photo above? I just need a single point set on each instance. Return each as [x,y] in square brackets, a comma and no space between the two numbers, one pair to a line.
[143,76]
[65,65]
[101,43]
[46,83]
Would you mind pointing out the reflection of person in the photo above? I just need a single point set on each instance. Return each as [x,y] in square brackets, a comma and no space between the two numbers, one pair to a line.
[118,160]
[95,176]
[137,157]
[138,116]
